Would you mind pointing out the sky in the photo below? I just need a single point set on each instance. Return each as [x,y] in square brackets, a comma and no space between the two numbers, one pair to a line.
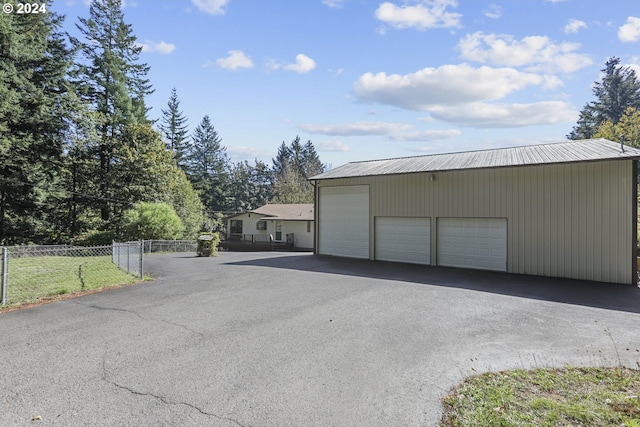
[372,79]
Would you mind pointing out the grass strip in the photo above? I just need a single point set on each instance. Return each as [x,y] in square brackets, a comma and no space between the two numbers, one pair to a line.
[545,398]
[32,279]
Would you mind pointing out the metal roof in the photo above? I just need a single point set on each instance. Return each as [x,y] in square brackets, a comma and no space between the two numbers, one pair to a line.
[288,212]
[586,150]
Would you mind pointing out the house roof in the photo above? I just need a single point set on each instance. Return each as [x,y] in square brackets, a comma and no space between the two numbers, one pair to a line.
[564,152]
[287,212]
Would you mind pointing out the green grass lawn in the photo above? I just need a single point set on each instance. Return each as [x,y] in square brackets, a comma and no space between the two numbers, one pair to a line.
[32,279]
[546,397]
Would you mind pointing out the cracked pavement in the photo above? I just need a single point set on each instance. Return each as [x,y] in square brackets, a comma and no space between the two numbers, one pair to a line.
[277,339]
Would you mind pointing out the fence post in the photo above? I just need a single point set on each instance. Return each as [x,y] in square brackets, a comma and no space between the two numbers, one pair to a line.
[141,259]
[5,275]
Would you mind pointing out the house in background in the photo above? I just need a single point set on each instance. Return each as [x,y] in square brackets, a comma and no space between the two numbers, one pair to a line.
[285,225]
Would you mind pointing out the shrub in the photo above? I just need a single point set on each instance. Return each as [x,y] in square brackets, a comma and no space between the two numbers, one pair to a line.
[152,221]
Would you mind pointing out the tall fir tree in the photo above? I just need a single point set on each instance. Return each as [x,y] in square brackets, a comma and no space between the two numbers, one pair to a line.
[618,89]
[174,128]
[207,166]
[299,158]
[33,65]
[112,80]
[296,161]
[250,186]
[282,159]
[311,160]
[292,167]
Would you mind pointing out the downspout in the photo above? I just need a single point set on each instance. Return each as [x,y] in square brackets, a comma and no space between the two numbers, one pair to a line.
[316,223]
[634,231]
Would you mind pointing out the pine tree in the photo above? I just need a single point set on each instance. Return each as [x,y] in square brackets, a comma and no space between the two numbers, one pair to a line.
[292,168]
[111,81]
[250,186]
[311,160]
[297,156]
[173,126]
[618,90]
[33,65]
[207,166]
[292,187]
[282,159]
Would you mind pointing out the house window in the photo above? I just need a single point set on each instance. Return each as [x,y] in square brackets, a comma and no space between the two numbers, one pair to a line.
[261,225]
[278,231]
[308,226]
[236,226]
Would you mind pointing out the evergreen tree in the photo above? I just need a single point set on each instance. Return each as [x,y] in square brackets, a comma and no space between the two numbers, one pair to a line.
[33,65]
[144,171]
[81,168]
[292,168]
[250,186]
[173,126]
[297,157]
[292,187]
[618,90]
[112,82]
[207,166]
[311,160]
[282,159]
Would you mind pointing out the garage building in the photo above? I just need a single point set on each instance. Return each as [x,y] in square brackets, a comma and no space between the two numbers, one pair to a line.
[561,210]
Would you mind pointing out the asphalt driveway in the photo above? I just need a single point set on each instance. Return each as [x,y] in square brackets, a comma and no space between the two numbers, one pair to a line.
[277,339]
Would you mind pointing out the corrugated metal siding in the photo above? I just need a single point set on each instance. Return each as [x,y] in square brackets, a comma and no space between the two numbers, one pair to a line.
[564,220]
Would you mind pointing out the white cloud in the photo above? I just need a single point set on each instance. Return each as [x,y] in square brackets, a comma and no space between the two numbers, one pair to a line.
[356,129]
[242,153]
[334,4]
[160,47]
[630,32]
[493,12]
[574,26]
[534,52]
[484,115]
[394,131]
[445,85]
[236,59]
[423,14]
[426,135]
[336,145]
[212,7]
[303,64]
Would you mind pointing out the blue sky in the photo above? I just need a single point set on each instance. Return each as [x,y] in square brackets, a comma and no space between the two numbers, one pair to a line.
[367,79]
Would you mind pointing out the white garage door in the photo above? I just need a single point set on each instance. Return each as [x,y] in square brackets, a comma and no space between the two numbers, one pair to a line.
[479,243]
[403,239]
[344,221]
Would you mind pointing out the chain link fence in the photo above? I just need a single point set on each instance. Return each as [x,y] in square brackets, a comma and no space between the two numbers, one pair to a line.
[129,257]
[33,273]
[153,246]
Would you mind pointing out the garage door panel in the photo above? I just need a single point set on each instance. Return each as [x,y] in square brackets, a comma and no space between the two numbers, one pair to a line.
[344,221]
[479,243]
[403,239]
